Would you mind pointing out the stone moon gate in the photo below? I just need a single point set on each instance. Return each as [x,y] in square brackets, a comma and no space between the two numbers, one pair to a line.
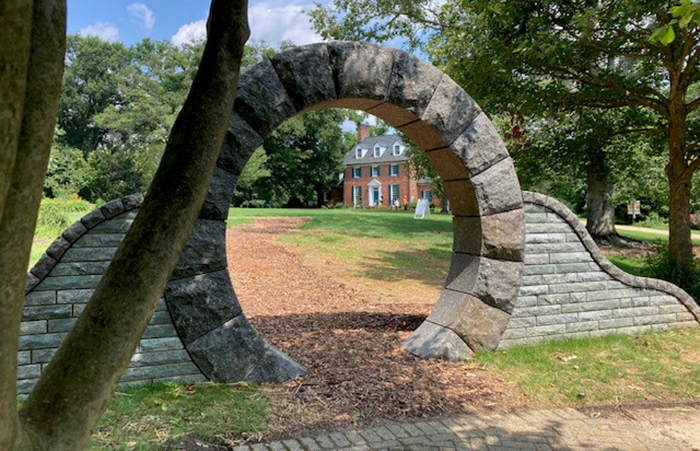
[199,330]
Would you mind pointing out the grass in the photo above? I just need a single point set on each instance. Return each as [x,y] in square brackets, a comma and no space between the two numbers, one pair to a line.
[632,265]
[145,418]
[614,368]
[390,244]
[649,237]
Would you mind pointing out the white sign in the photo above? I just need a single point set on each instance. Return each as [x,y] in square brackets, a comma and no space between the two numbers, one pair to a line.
[422,208]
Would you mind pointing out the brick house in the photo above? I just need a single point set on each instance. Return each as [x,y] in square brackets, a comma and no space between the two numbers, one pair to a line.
[376,173]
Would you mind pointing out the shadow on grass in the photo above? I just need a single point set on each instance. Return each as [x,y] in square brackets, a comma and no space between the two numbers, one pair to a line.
[429,266]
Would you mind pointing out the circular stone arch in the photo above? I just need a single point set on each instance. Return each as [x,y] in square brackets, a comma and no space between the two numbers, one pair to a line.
[444,121]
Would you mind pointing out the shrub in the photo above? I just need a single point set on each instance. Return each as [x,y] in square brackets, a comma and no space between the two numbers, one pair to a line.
[254,203]
[662,266]
[55,214]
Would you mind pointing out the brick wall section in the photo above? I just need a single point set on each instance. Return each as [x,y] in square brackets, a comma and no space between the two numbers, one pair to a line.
[569,289]
[62,282]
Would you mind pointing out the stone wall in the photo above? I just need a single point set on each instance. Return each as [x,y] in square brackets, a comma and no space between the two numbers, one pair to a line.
[570,290]
[62,282]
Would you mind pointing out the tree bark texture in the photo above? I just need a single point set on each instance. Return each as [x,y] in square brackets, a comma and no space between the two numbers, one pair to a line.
[599,198]
[680,243]
[74,390]
[32,103]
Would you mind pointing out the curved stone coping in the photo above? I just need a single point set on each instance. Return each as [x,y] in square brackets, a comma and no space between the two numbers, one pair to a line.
[72,234]
[615,272]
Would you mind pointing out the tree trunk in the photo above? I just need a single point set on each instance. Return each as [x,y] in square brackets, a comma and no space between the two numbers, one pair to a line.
[599,197]
[680,244]
[40,62]
[73,392]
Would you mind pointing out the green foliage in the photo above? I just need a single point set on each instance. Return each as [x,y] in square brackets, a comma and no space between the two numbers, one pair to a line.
[663,266]
[685,14]
[57,214]
[67,171]
[298,162]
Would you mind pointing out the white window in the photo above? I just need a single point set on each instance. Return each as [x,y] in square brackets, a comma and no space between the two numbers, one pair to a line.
[394,194]
[426,194]
[357,196]
[356,172]
[374,171]
[394,170]
[397,149]
[358,152]
[377,150]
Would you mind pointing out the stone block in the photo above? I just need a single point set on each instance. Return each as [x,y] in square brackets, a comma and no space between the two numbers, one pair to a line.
[42,268]
[553,279]
[61,325]
[462,198]
[596,315]
[480,146]
[496,282]
[545,237]
[112,208]
[205,250]
[636,311]
[24,357]
[41,341]
[28,372]
[552,299]
[477,323]
[611,294]
[582,326]
[262,100]
[423,135]
[201,303]
[32,327]
[532,280]
[536,259]
[531,269]
[46,312]
[239,144]
[654,319]
[159,358]
[516,323]
[74,232]
[450,111]
[74,296]
[161,318]
[58,248]
[305,73]
[563,318]
[160,344]
[447,164]
[115,225]
[89,254]
[591,306]
[431,341]
[361,71]
[549,228]
[555,329]
[539,310]
[218,200]
[40,298]
[498,189]
[532,218]
[526,301]
[615,323]
[533,290]
[570,257]
[160,331]
[32,282]
[43,355]
[93,218]
[230,352]
[275,367]
[512,334]
[68,283]
[132,201]
[546,248]
[108,240]
[159,371]
[78,310]
[495,236]
[80,269]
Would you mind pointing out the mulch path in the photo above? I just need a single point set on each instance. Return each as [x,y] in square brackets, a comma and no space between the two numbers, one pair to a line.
[349,341]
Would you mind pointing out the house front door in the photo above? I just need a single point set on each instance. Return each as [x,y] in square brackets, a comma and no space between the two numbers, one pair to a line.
[376,197]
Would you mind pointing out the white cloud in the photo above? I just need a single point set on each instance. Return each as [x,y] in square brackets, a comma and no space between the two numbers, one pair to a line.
[143,14]
[103,30]
[191,33]
[281,23]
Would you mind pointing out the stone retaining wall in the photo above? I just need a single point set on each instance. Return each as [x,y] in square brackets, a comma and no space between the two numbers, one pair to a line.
[62,282]
[570,290]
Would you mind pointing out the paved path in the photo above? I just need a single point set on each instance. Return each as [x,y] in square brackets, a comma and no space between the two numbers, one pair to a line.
[544,430]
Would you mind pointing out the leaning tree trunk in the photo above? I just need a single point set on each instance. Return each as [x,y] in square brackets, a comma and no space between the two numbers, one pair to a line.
[599,198]
[73,392]
[30,83]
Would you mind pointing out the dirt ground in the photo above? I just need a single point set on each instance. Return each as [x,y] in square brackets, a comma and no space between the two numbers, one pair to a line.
[348,338]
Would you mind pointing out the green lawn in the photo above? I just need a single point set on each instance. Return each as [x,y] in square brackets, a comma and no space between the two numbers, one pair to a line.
[144,418]
[649,237]
[614,368]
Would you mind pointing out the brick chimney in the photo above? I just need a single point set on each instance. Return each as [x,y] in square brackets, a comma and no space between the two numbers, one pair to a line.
[363,131]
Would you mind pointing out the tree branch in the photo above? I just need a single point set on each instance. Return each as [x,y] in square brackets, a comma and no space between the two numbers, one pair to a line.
[68,400]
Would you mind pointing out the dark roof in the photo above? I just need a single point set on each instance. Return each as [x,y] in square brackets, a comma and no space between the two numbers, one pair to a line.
[386,141]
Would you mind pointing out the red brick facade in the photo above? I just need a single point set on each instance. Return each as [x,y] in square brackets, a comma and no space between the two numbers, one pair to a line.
[408,189]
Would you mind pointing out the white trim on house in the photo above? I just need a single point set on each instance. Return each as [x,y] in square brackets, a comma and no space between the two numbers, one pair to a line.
[397,148]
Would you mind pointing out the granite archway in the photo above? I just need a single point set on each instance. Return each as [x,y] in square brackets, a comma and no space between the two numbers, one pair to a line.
[444,121]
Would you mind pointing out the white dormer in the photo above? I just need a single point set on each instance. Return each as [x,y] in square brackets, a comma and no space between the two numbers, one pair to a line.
[359,152]
[397,149]
[378,150]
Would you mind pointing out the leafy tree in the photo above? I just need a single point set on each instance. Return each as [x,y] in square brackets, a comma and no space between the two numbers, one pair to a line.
[254,183]
[548,56]
[68,400]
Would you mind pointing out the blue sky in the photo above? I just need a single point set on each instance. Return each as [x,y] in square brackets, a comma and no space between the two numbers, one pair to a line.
[130,21]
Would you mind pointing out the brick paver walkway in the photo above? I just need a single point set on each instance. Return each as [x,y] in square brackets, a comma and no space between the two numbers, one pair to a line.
[544,430]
